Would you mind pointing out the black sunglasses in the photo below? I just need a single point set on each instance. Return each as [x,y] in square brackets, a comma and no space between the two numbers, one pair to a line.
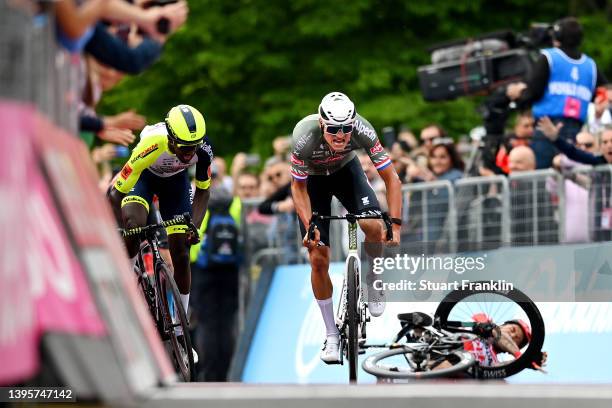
[587,145]
[334,129]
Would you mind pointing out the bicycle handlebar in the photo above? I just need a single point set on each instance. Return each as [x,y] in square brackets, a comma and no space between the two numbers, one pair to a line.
[352,218]
[177,220]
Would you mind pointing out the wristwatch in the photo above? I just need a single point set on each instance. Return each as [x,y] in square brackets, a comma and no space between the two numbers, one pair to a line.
[396,221]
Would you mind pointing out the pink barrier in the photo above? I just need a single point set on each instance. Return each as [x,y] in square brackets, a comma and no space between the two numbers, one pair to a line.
[46,292]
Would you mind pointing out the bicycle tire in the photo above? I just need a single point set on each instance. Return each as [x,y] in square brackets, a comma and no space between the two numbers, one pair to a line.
[183,362]
[534,348]
[148,292]
[352,275]
[372,365]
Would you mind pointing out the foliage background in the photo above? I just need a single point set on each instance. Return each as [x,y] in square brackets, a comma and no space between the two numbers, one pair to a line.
[255,67]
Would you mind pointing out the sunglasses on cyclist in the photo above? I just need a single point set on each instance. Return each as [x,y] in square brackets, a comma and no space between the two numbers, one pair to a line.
[334,129]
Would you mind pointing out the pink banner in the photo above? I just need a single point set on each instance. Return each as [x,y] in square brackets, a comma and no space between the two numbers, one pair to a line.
[42,285]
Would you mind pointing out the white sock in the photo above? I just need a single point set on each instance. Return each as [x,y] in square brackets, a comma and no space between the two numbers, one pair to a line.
[185,302]
[327,310]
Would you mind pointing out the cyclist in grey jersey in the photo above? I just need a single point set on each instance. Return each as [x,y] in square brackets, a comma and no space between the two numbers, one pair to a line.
[324,164]
[312,155]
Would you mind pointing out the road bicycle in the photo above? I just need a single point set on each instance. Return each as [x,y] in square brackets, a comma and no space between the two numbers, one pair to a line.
[431,341]
[162,295]
[352,312]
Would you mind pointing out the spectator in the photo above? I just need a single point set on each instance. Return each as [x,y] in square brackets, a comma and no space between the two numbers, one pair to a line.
[220,168]
[444,164]
[561,87]
[600,185]
[281,146]
[215,293]
[526,199]
[77,21]
[599,114]
[521,136]
[283,230]
[576,191]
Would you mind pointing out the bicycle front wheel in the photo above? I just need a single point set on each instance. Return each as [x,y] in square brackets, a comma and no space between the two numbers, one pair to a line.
[176,325]
[352,316]
[461,305]
[386,364]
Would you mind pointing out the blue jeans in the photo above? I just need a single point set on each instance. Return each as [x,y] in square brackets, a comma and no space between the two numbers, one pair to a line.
[544,150]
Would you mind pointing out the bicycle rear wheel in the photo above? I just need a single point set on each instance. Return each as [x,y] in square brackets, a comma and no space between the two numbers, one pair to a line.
[460,306]
[459,360]
[174,317]
[352,317]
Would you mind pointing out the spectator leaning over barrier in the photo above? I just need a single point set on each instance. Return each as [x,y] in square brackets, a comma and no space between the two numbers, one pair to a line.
[444,164]
[576,191]
[283,230]
[561,87]
[76,21]
[602,222]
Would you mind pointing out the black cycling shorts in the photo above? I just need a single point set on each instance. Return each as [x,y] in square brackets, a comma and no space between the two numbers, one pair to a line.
[349,185]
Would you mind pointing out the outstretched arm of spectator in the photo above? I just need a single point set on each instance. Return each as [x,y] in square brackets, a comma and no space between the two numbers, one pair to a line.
[75,20]
[119,136]
[551,131]
[270,205]
[125,120]
[110,50]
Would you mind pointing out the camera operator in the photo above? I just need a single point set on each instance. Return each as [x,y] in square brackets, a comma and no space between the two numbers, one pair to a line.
[561,87]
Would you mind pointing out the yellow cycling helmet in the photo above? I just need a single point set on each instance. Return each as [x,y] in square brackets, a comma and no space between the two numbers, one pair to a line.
[185,125]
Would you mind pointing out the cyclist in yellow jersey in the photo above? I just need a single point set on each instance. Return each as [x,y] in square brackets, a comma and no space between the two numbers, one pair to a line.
[158,166]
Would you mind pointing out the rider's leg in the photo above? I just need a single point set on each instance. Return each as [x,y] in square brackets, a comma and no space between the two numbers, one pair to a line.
[179,250]
[322,287]
[134,210]
[174,199]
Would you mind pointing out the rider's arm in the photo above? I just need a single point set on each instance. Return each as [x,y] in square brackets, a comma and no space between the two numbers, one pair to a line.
[143,155]
[301,200]
[504,342]
[200,203]
[202,183]
[394,196]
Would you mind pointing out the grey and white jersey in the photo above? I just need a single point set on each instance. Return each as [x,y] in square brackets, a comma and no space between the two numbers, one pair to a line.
[311,155]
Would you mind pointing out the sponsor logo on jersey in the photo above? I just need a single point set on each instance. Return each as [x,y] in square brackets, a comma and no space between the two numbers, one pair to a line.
[365,130]
[296,161]
[365,200]
[327,160]
[126,171]
[145,153]
[208,149]
[377,148]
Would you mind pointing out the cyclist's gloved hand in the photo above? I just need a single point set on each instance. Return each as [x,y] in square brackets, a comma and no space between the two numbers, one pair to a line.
[192,238]
[540,362]
[312,243]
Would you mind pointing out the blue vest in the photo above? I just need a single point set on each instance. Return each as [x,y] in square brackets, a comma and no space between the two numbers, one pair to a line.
[570,86]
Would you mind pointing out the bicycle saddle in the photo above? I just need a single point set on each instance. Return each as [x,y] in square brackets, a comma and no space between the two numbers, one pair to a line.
[415,319]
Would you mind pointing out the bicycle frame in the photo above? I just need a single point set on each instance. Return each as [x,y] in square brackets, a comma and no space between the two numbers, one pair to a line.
[352,253]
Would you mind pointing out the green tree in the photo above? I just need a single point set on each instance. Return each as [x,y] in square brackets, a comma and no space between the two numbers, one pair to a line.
[255,67]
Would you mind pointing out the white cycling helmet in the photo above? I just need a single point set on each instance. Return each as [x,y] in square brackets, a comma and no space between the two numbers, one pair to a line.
[337,109]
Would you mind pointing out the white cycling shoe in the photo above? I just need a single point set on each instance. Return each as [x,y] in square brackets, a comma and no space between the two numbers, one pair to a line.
[330,353]
[377,302]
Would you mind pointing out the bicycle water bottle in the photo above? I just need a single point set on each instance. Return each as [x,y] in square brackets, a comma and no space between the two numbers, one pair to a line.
[148,263]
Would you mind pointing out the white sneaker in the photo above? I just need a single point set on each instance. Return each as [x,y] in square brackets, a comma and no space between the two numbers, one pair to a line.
[330,353]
